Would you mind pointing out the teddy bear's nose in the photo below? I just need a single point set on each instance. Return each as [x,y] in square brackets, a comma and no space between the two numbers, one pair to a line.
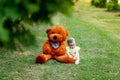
[54,37]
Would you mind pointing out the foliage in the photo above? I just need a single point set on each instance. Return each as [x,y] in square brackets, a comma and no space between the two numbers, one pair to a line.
[113,5]
[99,3]
[14,13]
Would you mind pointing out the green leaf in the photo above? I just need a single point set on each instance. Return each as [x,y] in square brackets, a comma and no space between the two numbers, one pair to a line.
[4,34]
[11,12]
[32,8]
[17,1]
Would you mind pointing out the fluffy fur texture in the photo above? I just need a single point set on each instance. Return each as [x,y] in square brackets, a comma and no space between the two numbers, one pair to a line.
[55,47]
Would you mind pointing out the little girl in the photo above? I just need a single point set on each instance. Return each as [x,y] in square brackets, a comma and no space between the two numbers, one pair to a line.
[73,50]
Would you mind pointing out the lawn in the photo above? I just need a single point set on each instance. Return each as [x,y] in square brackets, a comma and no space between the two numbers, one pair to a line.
[96,31]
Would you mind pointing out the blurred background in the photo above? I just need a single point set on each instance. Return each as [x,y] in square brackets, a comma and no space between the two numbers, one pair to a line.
[17,17]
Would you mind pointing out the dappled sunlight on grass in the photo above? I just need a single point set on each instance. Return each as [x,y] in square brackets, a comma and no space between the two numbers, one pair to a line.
[87,1]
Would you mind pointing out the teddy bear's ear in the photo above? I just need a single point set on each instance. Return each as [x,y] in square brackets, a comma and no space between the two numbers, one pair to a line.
[67,33]
[48,30]
[65,36]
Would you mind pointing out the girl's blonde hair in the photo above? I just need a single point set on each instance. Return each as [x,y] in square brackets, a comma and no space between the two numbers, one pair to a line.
[70,40]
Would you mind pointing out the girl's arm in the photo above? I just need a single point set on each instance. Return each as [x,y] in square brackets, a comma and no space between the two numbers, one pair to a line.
[77,52]
[67,51]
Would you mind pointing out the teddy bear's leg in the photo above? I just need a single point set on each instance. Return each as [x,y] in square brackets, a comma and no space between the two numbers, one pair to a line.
[65,59]
[42,58]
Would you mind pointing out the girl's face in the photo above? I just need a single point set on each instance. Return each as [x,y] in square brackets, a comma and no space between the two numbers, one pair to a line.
[71,45]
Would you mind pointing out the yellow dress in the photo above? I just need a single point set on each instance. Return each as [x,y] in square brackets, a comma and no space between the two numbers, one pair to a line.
[73,52]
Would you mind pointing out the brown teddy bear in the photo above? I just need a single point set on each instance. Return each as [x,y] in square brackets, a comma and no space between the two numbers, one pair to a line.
[55,47]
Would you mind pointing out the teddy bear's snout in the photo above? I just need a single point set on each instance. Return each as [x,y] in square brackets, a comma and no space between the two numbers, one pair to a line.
[54,37]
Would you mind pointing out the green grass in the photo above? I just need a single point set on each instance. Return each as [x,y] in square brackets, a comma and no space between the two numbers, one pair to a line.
[96,31]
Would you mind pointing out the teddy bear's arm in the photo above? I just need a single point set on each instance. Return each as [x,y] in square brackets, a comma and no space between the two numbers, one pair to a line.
[61,50]
[46,48]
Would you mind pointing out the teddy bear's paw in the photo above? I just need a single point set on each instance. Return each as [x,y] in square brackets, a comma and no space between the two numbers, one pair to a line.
[70,60]
[40,59]
[65,59]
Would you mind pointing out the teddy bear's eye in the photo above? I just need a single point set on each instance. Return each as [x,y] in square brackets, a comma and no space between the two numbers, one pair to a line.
[58,32]
[52,32]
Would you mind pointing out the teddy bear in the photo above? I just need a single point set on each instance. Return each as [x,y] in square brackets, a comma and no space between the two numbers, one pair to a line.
[55,46]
